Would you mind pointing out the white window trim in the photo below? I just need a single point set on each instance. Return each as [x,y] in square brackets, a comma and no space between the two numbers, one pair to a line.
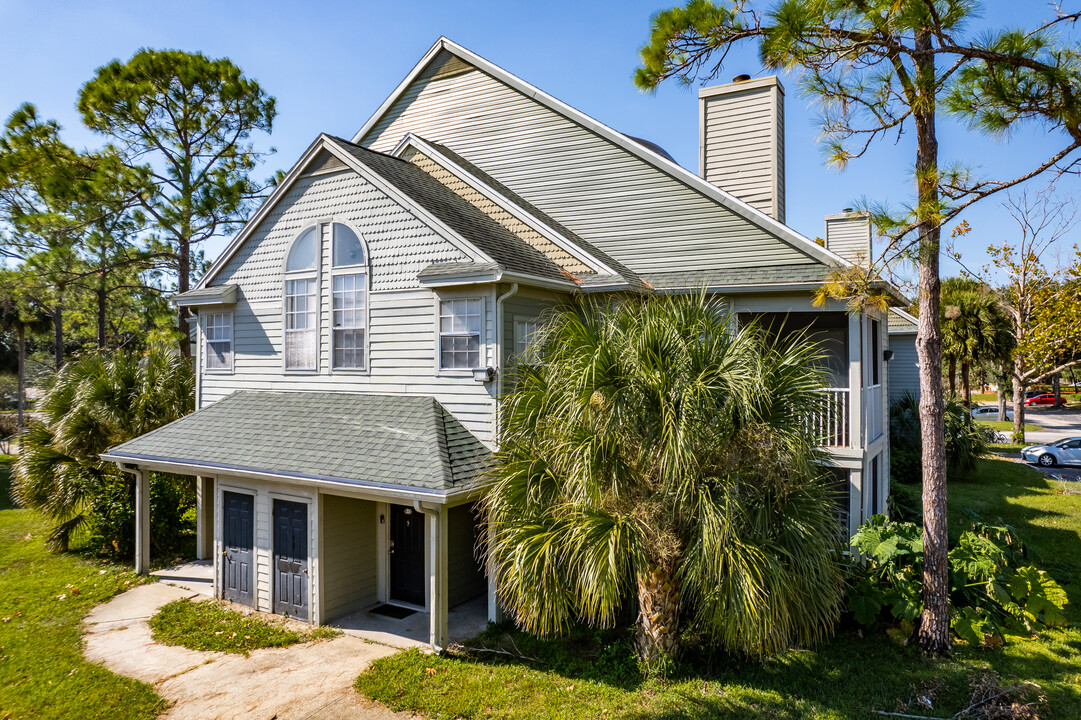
[520,327]
[316,275]
[483,354]
[362,269]
[206,343]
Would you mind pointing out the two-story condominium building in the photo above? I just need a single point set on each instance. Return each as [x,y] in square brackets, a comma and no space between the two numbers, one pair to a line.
[355,337]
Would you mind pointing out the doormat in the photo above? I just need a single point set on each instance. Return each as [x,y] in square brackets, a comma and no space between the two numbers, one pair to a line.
[392,611]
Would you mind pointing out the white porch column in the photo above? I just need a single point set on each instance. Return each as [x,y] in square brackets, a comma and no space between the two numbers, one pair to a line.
[495,612]
[204,518]
[142,522]
[856,421]
[439,570]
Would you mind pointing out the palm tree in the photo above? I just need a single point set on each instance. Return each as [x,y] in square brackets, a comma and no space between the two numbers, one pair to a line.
[972,324]
[96,401]
[655,453]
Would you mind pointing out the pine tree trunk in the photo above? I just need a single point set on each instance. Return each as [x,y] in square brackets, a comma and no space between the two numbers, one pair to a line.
[101,300]
[933,632]
[183,285]
[22,375]
[58,336]
[658,617]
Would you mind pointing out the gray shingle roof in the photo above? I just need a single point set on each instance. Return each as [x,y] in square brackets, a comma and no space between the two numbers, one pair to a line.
[406,442]
[500,244]
[216,295]
[900,322]
[738,277]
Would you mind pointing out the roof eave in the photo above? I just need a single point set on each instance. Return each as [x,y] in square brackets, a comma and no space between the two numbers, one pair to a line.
[190,467]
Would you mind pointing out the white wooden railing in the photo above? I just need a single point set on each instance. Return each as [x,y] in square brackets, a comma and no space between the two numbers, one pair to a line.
[831,423]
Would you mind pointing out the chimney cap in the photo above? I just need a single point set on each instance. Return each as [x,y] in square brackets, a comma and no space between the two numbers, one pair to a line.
[743,77]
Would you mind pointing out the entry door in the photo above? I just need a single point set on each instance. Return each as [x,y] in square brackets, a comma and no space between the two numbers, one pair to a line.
[239,539]
[291,559]
[406,555]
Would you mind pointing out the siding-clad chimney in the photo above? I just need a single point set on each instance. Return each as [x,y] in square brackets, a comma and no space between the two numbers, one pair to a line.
[849,235]
[741,141]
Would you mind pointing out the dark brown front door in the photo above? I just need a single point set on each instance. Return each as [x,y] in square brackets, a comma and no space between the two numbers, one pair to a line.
[406,555]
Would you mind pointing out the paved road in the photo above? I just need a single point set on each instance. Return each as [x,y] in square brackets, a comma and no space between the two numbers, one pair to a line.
[1057,424]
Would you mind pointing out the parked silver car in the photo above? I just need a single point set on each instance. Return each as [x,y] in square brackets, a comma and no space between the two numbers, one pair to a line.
[989,412]
[1061,452]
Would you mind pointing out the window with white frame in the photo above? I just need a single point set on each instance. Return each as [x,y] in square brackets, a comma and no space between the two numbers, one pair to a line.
[460,323]
[525,335]
[349,304]
[301,302]
[218,331]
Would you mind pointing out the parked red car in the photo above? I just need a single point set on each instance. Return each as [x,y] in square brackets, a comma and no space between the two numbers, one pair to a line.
[1044,399]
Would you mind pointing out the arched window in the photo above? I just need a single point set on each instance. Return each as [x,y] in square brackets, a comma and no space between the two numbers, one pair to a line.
[301,303]
[349,302]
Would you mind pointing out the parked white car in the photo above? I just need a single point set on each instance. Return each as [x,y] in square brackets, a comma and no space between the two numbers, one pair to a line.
[989,412]
[1061,452]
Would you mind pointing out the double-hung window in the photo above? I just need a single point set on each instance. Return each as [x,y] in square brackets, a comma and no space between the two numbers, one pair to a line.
[525,337]
[218,331]
[349,303]
[301,302]
[460,323]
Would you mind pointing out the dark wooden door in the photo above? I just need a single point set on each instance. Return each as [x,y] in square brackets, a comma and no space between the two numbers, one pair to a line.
[406,555]
[291,559]
[239,540]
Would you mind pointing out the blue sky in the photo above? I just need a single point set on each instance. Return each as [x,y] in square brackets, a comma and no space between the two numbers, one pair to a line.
[330,65]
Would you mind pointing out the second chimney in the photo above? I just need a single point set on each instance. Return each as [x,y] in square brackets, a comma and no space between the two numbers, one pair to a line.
[849,235]
[741,141]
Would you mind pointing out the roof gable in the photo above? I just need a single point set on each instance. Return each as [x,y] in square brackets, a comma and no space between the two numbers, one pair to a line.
[424,103]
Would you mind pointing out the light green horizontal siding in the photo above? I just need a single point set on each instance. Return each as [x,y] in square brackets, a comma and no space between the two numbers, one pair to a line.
[347,560]
[465,576]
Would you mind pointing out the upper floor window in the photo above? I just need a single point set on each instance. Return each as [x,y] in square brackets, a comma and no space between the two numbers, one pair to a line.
[460,322]
[218,331]
[301,279]
[525,336]
[349,302]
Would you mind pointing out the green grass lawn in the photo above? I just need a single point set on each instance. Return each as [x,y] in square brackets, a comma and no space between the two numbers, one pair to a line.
[1007,425]
[43,599]
[592,676]
[210,625]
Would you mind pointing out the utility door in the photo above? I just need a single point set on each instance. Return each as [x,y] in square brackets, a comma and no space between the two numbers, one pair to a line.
[406,555]
[290,561]
[239,540]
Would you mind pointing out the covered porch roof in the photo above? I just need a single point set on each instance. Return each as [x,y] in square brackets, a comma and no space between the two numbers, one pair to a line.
[404,446]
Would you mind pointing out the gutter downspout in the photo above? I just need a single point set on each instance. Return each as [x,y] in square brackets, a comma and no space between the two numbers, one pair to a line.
[500,340]
[437,575]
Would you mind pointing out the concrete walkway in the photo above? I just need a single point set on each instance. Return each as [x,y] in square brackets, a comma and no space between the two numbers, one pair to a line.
[309,681]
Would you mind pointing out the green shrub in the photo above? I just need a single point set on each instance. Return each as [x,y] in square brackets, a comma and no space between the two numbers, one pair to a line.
[966,440]
[111,517]
[992,590]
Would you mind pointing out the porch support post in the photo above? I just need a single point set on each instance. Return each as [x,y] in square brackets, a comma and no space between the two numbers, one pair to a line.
[440,588]
[204,518]
[495,612]
[142,521]
[437,574]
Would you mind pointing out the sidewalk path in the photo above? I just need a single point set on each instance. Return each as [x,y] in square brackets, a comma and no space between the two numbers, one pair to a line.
[311,681]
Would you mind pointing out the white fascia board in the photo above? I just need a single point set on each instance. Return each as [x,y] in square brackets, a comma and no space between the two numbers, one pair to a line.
[401,198]
[419,143]
[673,169]
[253,222]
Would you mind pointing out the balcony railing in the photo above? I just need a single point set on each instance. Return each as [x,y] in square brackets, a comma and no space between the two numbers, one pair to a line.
[831,423]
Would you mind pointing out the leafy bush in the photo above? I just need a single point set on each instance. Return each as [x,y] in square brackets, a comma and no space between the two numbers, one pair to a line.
[111,518]
[966,440]
[992,590]
[99,400]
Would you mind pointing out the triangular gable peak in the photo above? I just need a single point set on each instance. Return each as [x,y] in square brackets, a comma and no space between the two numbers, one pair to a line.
[615,192]
[575,256]
[450,216]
